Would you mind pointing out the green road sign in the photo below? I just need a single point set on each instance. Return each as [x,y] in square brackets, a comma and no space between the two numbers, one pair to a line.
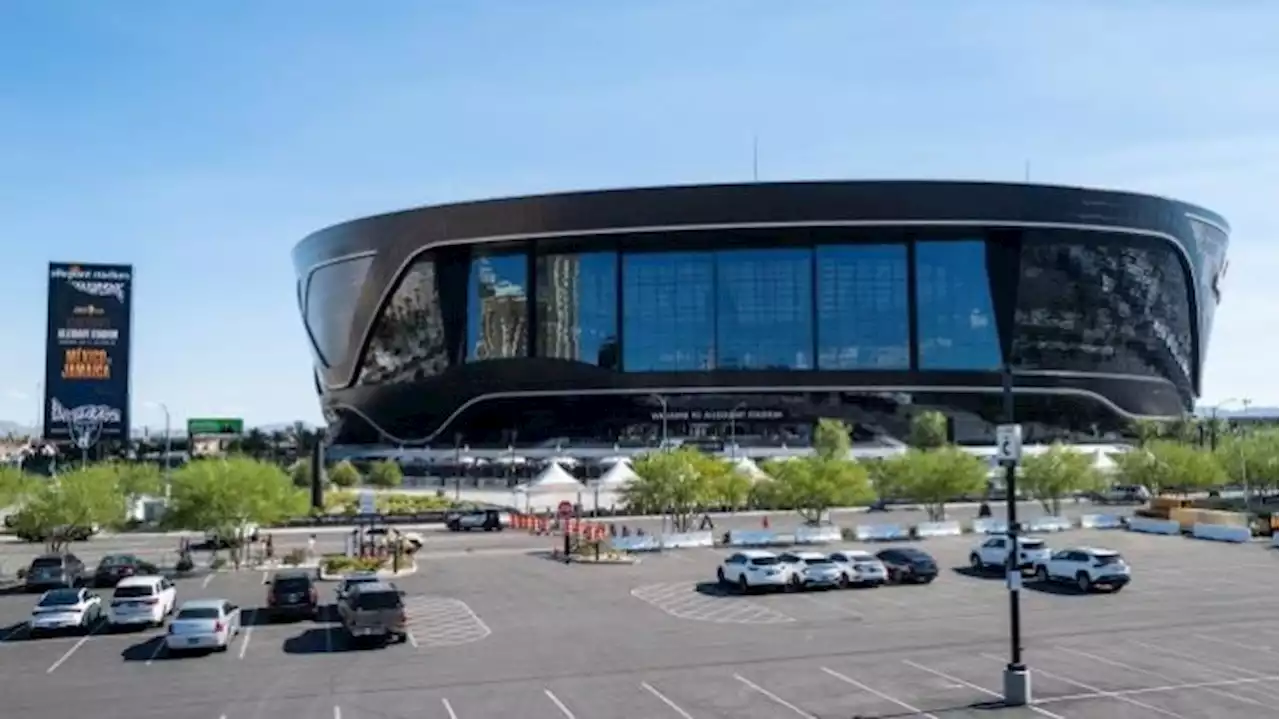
[214,426]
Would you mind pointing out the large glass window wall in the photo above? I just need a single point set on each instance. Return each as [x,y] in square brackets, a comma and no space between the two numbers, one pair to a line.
[862,312]
[408,340]
[954,318]
[764,317]
[331,294]
[668,318]
[578,307]
[497,308]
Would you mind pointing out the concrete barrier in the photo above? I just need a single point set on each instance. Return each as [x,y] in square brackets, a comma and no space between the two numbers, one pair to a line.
[1147,525]
[1221,533]
[687,540]
[752,538]
[1049,524]
[990,526]
[647,543]
[824,534]
[1100,521]
[938,529]
[880,532]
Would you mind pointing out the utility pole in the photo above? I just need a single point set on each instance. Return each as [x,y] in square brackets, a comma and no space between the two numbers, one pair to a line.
[1017,680]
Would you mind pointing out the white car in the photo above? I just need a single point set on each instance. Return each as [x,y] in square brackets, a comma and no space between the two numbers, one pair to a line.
[62,609]
[811,569]
[993,553]
[203,624]
[1086,568]
[753,569]
[145,600]
[860,567]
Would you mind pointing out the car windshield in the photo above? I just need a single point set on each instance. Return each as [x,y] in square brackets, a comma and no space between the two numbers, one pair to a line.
[817,561]
[292,585]
[199,613]
[137,590]
[763,561]
[915,556]
[46,563]
[349,583]
[116,560]
[60,598]
[374,601]
[1105,559]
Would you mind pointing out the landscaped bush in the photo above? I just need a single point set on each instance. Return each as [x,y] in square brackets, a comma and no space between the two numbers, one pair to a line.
[294,557]
[342,564]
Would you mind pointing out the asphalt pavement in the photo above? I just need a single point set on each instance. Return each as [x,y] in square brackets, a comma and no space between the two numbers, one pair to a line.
[500,635]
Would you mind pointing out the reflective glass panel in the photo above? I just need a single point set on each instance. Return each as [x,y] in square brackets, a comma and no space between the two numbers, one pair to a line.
[668,311]
[497,308]
[332,292]
[764,318]
[578,307]
[408,338]
[862,307]
[955,323]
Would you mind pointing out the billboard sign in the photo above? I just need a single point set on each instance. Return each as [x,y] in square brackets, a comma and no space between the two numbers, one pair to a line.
[221,427]
[86,383]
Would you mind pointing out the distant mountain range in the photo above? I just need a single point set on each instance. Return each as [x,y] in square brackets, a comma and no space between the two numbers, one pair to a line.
[1272,413]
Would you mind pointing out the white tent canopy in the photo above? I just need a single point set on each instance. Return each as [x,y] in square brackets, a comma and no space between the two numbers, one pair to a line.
[617,476]
[553,478]
[748,468]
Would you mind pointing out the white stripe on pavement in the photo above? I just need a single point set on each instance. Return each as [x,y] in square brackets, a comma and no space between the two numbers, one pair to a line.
[662,698]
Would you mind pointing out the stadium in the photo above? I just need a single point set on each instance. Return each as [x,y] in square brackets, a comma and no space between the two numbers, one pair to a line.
[744,313]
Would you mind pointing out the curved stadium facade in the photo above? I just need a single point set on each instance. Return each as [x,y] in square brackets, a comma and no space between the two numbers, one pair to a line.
[753,310]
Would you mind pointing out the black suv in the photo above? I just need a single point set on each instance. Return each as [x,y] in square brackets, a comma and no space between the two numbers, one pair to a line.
[292,594]
[908,564]
[490,520]
[54,571]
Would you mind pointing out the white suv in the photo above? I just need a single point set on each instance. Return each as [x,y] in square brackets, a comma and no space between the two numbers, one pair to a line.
[143,600]
[1086,567]
[860,567]
[811,569]
[751,569]
[994,553]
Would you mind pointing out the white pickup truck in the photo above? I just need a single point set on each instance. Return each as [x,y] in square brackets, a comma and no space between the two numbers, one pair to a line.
[994,553]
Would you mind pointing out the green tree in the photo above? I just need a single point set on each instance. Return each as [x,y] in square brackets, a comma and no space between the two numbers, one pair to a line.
[136,480]
[1057,473]
[669,483]
[385,474]
[1250,459]
[831,439]
[225,496]
[344,474]
[928,430]
[81,498]
[813,485]
[1167,465]
[1146,431]
[15,486]
[936,476]
[300,472]
[726,486]
[886,478]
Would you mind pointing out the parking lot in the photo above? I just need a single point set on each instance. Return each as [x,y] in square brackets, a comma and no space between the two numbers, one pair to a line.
[506,635]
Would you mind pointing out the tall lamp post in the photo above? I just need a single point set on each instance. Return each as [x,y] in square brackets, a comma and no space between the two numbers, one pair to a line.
[168,450]
[1017,679]
[663,402]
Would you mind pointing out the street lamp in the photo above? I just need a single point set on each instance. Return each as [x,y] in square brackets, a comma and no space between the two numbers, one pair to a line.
[662,401]
[1017,679]
[1244,469]
[168,449]
[733,430]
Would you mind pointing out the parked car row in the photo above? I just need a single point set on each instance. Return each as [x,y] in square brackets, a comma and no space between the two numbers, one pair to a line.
[1087,568]
[66,570]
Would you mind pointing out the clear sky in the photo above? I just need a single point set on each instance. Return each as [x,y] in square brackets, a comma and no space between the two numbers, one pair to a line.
[200,141]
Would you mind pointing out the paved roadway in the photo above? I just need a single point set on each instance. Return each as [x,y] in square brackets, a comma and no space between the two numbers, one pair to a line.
[501,635]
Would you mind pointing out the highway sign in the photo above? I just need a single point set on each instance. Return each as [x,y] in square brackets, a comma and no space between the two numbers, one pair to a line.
[215,427]
[565,509]
[1009,443]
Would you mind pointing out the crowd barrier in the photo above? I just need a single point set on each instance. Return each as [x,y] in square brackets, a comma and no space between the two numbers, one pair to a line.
[687,540]
[1147,525]
[880,532]
[1100,521]
[990,526]
[752,538]
[938,529]
[1221,533]
[1049,524]
[818,535]
[646,543]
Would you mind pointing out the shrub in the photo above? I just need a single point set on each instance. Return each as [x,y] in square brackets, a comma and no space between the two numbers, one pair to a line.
[294,557]
[342,564]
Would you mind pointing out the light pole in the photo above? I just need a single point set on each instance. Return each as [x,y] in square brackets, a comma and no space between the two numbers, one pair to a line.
[1017,680]
[733,431]
[168,450]
[1244,468]
[663,402]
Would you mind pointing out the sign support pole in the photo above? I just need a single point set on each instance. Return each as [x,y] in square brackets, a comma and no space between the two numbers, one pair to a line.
[1017,679]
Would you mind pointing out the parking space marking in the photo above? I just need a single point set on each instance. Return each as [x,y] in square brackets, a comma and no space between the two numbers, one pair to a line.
[1157,675]
[1160,689]
[1101,693]
[413,641]
[13,632]
[67,655]
[448,708]
[156,652]
[1229,643]
[683,601]
[559,704]
[337,712]
[443,622]
[1201,660]
[207,578]
[663,698]
[773,697]
[855,683]
[244,641]
[976,688]
[834,605]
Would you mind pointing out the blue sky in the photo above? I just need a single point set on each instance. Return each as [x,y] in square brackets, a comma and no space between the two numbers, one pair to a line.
[200,146]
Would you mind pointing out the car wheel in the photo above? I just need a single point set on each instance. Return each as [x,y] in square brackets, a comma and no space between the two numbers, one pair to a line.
[1082,582]
[975,562]
[1042,574]
[720,576]
[743,586]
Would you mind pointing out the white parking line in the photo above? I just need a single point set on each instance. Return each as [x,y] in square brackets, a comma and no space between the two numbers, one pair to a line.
[207,578]
[975,687]
[448,708]
[413,642]
[13,633]
[774,697]
[1184,655]
[1229,643]
[156,652]
[68,653]
[1100,692]
[662,698]
[1160,689]
[337,712]
[266,574]
[244,641]
[855,683]
[559,704]
[1157,675]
